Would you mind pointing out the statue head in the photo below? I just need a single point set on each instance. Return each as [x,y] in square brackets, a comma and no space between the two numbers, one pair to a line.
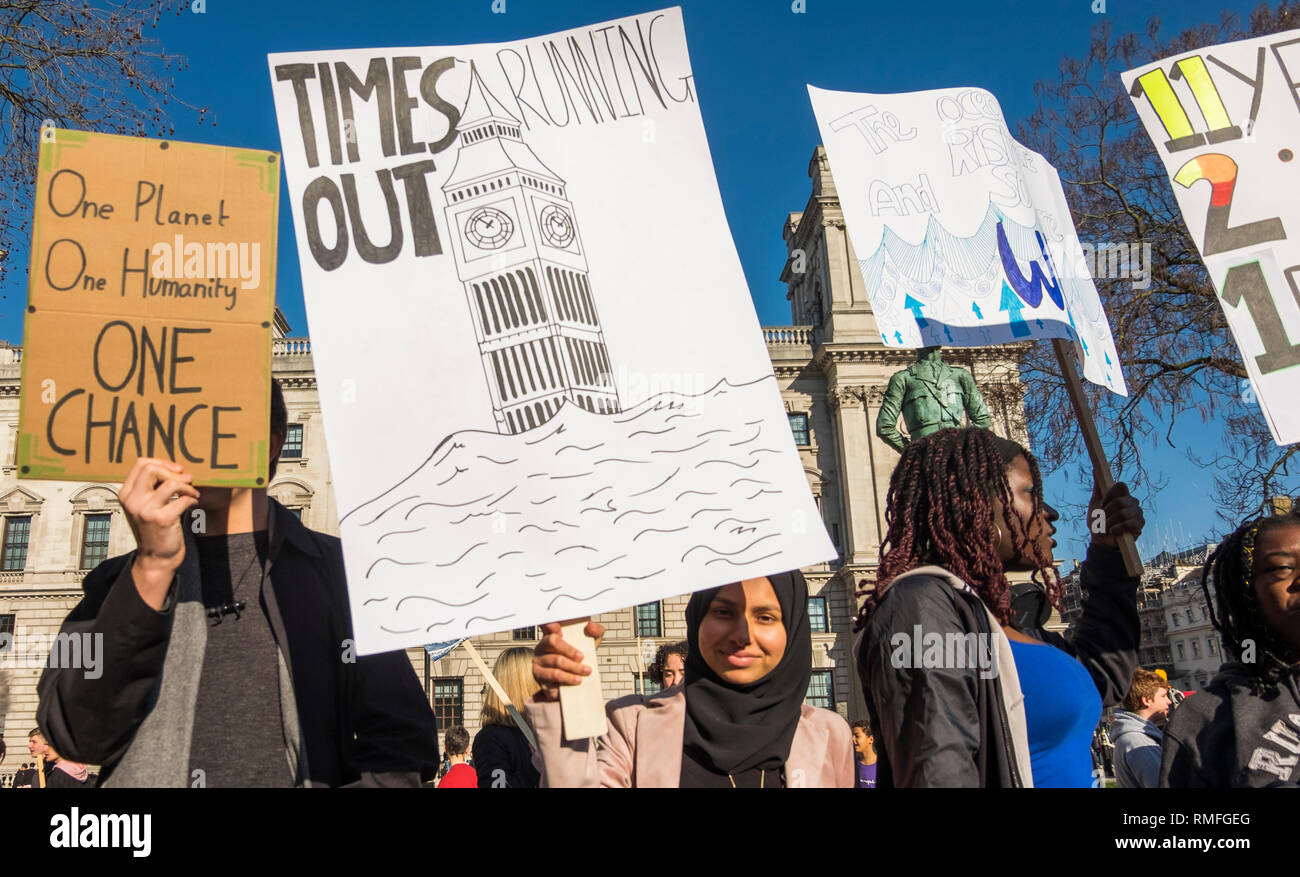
[930,354]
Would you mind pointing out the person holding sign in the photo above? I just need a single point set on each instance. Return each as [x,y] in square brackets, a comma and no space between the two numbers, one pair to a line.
[1242,730]
[963,684]
[243,611]
[739,721]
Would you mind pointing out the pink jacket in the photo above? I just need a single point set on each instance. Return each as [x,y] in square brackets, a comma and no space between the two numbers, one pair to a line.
[643,747]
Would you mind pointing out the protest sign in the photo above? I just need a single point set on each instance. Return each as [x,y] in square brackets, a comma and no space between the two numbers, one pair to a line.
[1226,124]
[544,386]
[963,236]
[148,325]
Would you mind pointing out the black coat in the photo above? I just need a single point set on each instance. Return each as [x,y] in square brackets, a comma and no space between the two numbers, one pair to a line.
[502,755]
[363,720]
[948,726]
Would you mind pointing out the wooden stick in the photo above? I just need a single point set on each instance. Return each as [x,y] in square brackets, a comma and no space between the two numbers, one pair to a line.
[500,693]
[40,771]
[1100,465]
[582,706]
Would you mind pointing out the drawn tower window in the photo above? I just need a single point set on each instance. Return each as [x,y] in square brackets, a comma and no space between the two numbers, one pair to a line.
[519,256]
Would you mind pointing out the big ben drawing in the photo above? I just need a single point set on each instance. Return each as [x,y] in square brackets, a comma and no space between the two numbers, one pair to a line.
[520,259]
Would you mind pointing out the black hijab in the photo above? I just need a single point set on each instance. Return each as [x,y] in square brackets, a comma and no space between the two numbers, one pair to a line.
[733,728]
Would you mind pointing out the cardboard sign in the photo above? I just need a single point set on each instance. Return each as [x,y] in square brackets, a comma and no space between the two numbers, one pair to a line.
[544,386]
[963,236]
[1226,124]
[148,326]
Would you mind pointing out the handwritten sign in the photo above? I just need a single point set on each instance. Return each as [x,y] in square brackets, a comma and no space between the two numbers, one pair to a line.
[529,236]
[148,325]
[1226,124]
[963,236]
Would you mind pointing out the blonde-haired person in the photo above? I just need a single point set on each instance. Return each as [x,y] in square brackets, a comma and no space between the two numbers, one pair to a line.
[502,757]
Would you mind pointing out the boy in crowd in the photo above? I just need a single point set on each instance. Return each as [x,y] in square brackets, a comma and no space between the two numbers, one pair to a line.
[461,775]
[864,747]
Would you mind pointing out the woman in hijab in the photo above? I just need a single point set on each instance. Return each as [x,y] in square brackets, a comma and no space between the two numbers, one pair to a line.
[738,722]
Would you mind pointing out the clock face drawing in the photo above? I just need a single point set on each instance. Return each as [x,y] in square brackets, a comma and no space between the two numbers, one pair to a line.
[556,226]
[489,228]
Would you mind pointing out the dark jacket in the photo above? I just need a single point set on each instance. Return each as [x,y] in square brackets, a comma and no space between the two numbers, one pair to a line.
[1225,737]
[502,755]
[949,726]
[58,779]
[364,719]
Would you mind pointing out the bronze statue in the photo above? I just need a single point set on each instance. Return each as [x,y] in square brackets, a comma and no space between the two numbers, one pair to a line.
[931,396]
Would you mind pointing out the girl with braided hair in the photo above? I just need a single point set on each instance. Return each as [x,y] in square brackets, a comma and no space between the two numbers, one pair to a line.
[963,685]
[1243,729]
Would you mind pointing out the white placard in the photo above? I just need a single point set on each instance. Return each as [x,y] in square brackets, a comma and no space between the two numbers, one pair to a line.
[963,236]
[544,386]
[1226,123]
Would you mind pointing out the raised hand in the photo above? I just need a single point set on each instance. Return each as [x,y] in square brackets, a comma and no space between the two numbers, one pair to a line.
[556,662]
[154,496]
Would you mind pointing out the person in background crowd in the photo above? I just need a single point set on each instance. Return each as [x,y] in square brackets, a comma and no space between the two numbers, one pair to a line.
[502,757]
[864,747]
[244,611]
[461,775]
[25,777]
[669,668]
[59,772]
[1137,737]
[738,722]
[1243,729]
[965,507]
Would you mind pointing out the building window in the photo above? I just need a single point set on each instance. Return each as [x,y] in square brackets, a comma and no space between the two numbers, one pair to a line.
[799,426]
[648,622]
[817,615]
[821,690]
[524,632]
[94,541]
[1196,648]
[17,529]
[6,633]
[1175,618]
[1209,644]
[292,449]
[448,701]
[646,685]
[1182,653]
[297,512]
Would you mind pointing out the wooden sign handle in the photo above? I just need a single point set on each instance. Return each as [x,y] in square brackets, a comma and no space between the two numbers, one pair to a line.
[40,771]
[582,706]
[1100,465]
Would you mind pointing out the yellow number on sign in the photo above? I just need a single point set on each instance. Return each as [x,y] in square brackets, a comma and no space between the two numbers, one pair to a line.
[1155,85]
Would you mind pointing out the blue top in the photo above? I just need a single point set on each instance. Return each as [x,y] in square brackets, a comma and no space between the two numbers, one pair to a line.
[867,775]
[1062,708]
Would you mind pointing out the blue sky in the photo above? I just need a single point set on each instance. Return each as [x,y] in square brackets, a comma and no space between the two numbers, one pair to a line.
[751,62]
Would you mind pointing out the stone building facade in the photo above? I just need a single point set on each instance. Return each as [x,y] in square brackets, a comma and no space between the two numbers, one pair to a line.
[832,371]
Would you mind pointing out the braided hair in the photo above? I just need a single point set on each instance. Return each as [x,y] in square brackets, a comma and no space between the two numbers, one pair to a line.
[940,510]
[1228,583]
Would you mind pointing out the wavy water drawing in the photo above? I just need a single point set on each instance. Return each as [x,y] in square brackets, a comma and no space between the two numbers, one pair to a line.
[603,520]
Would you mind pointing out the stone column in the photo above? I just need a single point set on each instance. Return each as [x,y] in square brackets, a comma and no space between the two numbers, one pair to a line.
[861,539]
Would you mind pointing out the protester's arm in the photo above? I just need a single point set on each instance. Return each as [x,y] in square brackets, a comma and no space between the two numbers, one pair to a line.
[1105,638]
[887,420]
[89,719]
[90,714]
[929,723]
[396,741]
[575,762]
